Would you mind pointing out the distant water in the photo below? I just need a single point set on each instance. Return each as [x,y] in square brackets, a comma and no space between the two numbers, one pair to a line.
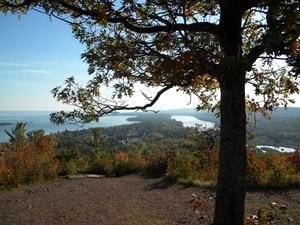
[277,148]
[190,121]
[40,120]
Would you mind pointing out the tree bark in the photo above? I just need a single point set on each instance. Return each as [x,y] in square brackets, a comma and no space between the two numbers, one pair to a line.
[231,191]
[230,195]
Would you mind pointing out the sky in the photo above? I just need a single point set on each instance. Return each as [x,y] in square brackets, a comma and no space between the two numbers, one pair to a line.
[37,54]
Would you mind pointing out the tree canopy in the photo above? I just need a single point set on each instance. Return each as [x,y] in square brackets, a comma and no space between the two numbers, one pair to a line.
[177,44]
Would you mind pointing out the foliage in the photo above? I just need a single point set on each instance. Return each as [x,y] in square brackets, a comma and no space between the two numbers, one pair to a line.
[156,164]
[294,160]
[181,166]
[175,44]
[17,137]
[282,129]
[202,139]
[97,142]
[116,164]
[208,165]
[128,163]
[271,171]
[255,169]
[34,161]
[101,163]
[71,162]
[143,136]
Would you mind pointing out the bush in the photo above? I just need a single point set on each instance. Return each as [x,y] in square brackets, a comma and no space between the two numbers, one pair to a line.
[5,174]
[33,162]
[181,166]
[101,163]
[271,170]
[71,162]
[156,164]
[294,160]
[127,163]
[116,164]
[277,170]
[255,170]
[208,165]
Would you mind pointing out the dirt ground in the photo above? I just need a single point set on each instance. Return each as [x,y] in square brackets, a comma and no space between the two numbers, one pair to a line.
[129,200]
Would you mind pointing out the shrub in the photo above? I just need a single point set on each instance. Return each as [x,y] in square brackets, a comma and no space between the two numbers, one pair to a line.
[5,173]
[71,161]
[277,170]
[156,164]
[127,163]
[33,162]
[101,163]
[208,165]
[181,166]
[255,169]
[121,164]
[294,160]
[271,170]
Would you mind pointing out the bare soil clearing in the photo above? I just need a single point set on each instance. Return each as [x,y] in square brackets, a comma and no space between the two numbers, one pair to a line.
[129,200]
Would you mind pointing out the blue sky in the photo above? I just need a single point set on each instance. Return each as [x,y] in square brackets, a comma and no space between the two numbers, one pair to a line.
[37,54]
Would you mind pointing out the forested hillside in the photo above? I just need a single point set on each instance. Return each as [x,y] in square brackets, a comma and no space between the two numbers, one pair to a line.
[282,128]
[157,129]
[154,131]
[156,145]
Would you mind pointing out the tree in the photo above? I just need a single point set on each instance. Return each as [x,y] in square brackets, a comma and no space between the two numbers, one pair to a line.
[17,136]
[97,142]
[199,47]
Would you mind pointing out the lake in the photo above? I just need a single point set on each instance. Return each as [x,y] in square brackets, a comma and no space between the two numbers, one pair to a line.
[277,148]
[191,121]
[40,120]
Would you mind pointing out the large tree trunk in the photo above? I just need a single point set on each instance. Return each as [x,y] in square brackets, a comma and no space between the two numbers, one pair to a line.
[231,191]
[230,196]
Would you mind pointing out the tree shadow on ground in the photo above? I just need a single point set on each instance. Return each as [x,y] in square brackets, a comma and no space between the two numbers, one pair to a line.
[162,183]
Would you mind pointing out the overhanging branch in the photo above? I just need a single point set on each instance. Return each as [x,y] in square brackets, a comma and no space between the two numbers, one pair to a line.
[144,107]
[97,109]
[168,27]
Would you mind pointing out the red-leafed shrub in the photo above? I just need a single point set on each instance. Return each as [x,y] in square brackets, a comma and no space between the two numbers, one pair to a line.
[272,170]
[294,160]
[33,162]
[157,163]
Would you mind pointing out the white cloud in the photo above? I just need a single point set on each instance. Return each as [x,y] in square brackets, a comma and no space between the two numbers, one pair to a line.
[14,64]
[38,71]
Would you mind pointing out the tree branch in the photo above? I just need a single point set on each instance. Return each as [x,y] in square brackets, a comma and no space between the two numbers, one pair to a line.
[255,52]
[146,106]
[193,27]
[99,109]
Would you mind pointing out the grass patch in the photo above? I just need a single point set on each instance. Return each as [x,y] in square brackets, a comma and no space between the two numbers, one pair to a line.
[197,183]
